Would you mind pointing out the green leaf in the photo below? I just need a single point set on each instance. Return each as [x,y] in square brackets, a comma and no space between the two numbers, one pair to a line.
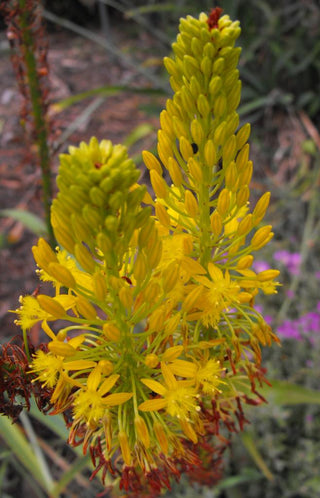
[31,221]
[104,91]
[138,133]
[80,464]
[249,443]
[286,393]
[21,448]
[248,475]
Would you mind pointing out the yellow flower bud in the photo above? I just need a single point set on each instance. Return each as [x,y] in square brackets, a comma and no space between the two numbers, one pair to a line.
[125,449]
[51,306]
[216,223]
[243,135]
[245,262]
[158,184]
[126,297]
[62,275]
[185,148]
[191,204]
[195,170]
[84,257]
[106,367]
[161,437]
[151,360]
[142,431]
[243,196]
[261,237]
[245,225]
[266,275]
[197,132]
[85,308]
[175,172]
[100,286]
[229,150]
[61,348]
[261,207]
[246,174]
[170,277]
[151,161]
[203,106]
[210,154]
[223,202]
[111,332]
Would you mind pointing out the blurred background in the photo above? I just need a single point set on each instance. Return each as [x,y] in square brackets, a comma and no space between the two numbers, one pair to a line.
[104,77]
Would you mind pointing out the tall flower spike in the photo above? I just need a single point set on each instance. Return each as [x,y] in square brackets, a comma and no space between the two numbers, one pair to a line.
[160,342]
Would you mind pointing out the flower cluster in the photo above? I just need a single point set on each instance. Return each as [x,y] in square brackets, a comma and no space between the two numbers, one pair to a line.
[154,341]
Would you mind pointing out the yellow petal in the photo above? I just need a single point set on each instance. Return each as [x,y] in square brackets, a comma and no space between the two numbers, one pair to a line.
[108,384]
[79,364]
[154,386]
[168,376]
[152,405]
[117,399]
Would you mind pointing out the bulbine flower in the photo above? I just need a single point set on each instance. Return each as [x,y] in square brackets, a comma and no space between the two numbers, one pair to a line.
[157,340]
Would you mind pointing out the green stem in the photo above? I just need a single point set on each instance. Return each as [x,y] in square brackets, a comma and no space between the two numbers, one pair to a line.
[39,117]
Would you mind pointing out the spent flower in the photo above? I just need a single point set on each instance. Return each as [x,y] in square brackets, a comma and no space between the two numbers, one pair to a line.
[158,339]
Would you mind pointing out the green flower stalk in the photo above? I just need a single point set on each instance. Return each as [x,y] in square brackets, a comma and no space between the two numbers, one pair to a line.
[158,340]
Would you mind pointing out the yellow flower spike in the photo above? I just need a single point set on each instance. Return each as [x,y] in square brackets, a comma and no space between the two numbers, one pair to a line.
[191,204]
[111,332]
[151,161]
[142,431]
[163,292]
[51,306]
[158,184]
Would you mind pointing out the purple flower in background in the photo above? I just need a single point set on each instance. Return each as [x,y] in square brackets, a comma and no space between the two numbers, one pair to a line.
[289,330]
[291,260]
[259,266]
[306,326]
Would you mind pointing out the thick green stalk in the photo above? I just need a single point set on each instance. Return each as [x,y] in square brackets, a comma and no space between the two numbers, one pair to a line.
[36,98]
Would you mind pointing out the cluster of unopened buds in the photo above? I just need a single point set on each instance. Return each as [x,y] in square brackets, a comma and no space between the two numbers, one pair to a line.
[154,340]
